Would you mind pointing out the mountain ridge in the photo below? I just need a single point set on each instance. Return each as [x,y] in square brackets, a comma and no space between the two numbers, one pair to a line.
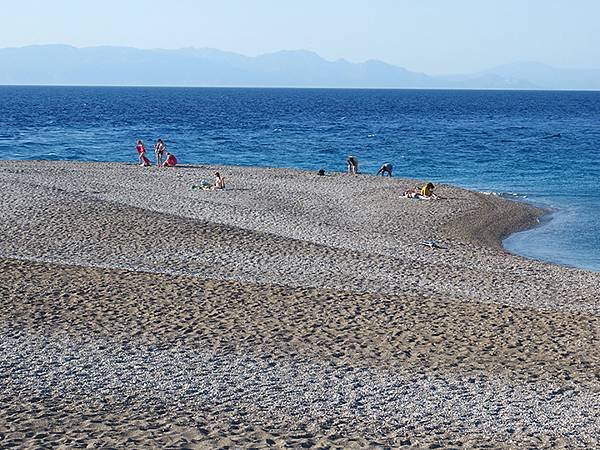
[61,64]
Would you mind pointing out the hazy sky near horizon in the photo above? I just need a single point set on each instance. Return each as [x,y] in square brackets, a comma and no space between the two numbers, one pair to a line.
[432,36]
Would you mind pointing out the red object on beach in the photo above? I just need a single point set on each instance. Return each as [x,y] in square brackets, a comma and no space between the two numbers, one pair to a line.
[171,161]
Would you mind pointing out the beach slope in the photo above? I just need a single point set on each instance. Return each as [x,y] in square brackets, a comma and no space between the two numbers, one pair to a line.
[288,310]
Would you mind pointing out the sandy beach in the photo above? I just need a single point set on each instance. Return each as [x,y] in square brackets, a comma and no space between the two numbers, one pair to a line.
[289,310]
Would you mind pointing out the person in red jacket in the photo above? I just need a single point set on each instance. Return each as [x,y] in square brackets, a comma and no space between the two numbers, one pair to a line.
[171,161]
[144,161]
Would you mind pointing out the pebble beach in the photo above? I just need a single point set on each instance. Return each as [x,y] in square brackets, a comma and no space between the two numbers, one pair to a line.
[288,310]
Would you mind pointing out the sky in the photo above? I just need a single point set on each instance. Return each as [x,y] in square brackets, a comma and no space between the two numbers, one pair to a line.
[431,36]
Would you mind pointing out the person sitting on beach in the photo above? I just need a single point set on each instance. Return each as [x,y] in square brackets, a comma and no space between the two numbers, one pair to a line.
[219,182]
[427,191]
[171,161]
[159,150]
[352,162]
[386,168]
[141,149]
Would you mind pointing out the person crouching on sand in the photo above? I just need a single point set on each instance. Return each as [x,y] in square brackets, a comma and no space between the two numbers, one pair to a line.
[219,182]
[386,168]
[352,162]
[171,161]
[141,149]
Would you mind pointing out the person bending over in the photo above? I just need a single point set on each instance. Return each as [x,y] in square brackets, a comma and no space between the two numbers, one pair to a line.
[386,168]
[352,162]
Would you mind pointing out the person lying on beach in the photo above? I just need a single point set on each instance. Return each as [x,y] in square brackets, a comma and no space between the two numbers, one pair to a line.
[352,162]
[411,193]
[386,168]
[141,149]
[219,182]
[171,161]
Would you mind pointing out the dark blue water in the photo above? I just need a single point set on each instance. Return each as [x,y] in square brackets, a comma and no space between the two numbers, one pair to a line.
[497,141]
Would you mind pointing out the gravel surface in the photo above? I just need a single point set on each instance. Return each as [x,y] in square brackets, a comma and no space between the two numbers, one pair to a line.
[389,407]
[288,310]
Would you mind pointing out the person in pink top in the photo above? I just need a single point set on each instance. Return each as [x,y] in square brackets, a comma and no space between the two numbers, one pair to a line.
[171,161]
[144,161]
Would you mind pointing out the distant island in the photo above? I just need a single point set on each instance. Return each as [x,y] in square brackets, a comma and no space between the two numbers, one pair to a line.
[125,66]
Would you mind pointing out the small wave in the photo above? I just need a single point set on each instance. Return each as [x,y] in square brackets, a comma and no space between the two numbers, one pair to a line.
[504,194]
[552,136]
[370,135]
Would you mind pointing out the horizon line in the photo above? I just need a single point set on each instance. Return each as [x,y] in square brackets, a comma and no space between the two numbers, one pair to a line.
[350,88]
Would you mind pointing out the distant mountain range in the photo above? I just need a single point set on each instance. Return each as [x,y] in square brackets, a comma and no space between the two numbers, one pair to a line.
[124,66]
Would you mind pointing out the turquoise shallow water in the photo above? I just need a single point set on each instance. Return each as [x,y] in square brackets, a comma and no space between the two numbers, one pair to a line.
[539,146]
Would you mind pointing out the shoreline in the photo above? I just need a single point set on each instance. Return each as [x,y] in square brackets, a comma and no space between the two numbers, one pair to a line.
[520,248]
[535,221]
[530,221]
[288,310]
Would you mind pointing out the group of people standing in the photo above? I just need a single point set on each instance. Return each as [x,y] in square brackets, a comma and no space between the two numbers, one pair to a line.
[160,152]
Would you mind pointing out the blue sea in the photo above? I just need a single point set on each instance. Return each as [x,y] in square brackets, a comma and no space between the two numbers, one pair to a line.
[537,146]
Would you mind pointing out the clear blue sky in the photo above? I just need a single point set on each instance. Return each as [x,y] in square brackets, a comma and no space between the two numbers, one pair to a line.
[433,36]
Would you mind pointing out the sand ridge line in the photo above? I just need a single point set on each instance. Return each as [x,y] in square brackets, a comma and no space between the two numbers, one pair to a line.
[384,330]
